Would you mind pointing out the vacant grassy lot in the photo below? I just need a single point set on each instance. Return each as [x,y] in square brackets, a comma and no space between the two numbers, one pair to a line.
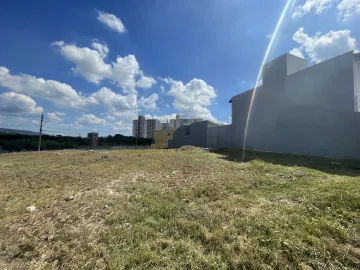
[167,209]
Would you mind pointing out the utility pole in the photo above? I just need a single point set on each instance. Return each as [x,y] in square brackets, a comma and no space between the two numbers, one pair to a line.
[41,127]
[136,141]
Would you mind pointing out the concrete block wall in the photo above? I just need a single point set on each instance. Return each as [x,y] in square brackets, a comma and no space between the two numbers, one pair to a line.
[197,135]
[310,111]
[298,109]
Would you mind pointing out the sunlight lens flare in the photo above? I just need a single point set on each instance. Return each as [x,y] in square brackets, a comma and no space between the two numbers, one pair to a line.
[288,6]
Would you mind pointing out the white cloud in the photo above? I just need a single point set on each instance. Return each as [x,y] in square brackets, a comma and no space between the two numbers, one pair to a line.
[110,117]
[145,82]
[227,122]
[18,103]
[162,89]
[149,103]
[54,116]
[35,122]
[126,116]
[297,52]
[348,8]
[102,49]
[193,99]
[60,113]
[91,119]
[321,48]
[167,105]
[114,101]
[111,21]
[57,92]
[122,126]
[161,118]
[318,5]
[124,106]
[57,43]
[124,71]
[90,64]
[167,80]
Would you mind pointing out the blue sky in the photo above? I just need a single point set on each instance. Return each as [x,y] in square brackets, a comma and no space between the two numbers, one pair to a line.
[94,65]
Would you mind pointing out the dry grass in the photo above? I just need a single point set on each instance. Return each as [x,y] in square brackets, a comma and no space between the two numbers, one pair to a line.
[168,209]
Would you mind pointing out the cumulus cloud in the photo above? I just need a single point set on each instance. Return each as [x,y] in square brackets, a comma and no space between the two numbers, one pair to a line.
[348,8]
[54,91]
[86,119]
[110,117]
[193,99]
[90,64]
[145,82]
[297,52]
[124,71]
[161,118]
[126,116]
[149,103]
[122,126]
[102,49]
[123,106]
[111,21]
[114,101]
[60,113]
[322,47]
[167,80]
[318,5]
[18,103]
[54,116]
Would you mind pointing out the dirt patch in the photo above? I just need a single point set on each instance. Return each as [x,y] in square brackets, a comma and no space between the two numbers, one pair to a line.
[190,148]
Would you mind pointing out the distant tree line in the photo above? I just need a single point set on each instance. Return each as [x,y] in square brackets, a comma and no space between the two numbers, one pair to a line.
[119,139]
[18,142]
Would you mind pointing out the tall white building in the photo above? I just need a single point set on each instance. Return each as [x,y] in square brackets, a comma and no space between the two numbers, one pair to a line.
[144,128]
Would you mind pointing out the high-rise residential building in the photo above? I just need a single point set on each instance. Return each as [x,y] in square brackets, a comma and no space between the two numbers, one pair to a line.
[144,128]
[139,127]
[151,125]
[172,123]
